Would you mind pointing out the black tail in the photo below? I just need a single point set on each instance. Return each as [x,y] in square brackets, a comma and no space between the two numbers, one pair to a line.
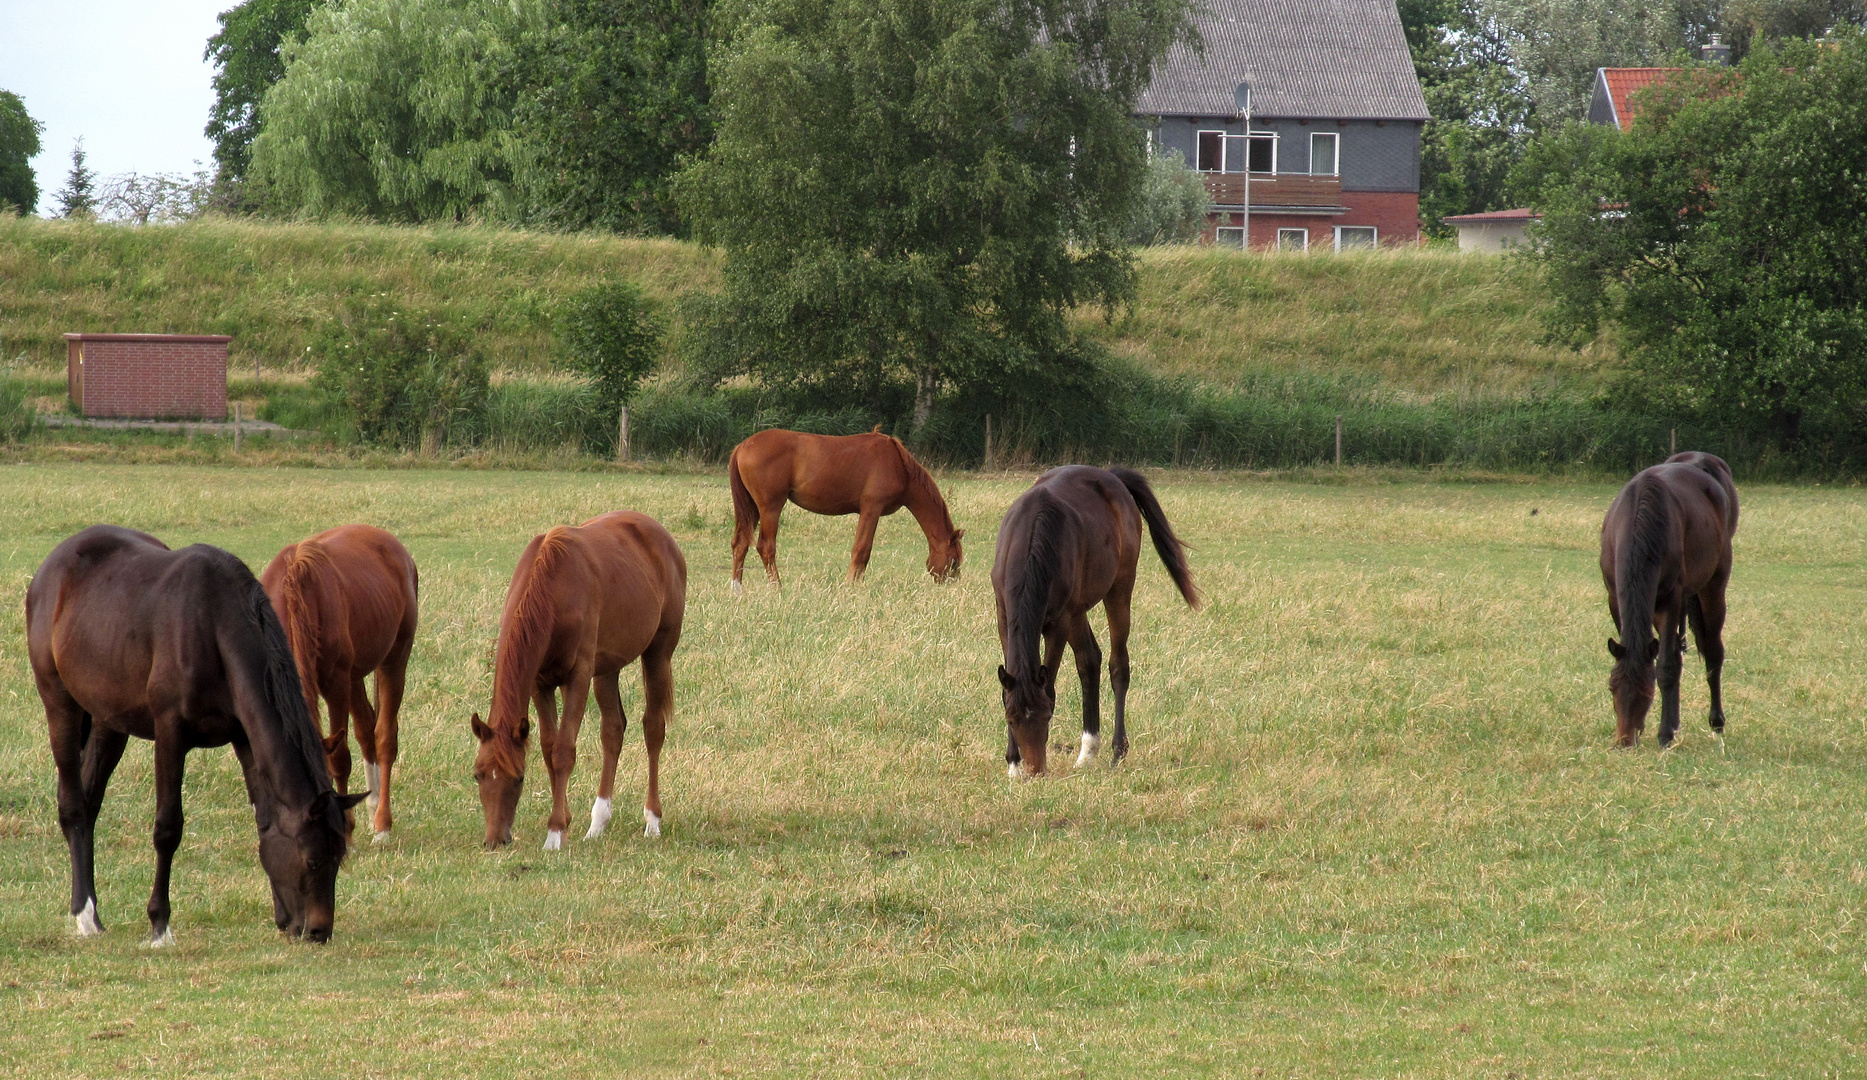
[1168,546]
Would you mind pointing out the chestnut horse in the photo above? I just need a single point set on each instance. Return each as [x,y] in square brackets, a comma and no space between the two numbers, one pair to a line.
[1071,542]
[347,597]
[180,647]
[584,603]
[872,475]
[1666,558]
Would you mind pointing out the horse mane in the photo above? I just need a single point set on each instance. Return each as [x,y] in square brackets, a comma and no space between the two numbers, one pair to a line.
[1640,552]
[1030,590]
[280,689]
[524,635]
[921,484]
[300,613]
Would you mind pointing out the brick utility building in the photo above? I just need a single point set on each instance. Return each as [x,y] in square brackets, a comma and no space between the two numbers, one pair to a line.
[148,376]
[1332,153]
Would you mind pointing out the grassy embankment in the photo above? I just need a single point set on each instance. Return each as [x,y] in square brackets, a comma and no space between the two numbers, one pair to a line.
[1372,824]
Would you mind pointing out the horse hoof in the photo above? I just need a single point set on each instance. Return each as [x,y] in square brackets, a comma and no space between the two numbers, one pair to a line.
[554,840]
[88,926]
[381,837]
[600,813]
[163,940]
[1088,753]
[651,824]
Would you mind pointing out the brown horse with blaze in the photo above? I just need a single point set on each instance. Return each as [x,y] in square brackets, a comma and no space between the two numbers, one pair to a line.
[871,475]
[584,603]
[180,647]
[1666,558]
[347,597]
[1070,542]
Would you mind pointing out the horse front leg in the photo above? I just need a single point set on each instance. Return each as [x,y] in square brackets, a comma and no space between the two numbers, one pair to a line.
[1671,665]
[865,542]
[564,756]
[1089,671]
[170,755]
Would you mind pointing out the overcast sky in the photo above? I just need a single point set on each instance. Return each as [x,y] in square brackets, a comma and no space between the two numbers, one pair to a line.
[127,75]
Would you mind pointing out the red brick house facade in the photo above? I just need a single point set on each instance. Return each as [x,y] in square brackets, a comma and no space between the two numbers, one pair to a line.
[1310,105]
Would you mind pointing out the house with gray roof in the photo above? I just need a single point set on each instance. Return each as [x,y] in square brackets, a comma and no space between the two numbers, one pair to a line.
[1330,155]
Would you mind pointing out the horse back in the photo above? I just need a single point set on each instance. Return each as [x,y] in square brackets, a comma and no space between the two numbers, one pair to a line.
[824,474]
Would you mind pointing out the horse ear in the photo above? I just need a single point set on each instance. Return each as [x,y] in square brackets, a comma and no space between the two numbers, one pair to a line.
[1004,678]
[1653,649]
[525,729]
[1616,649]
[481,731]
[957,533]
[345,802]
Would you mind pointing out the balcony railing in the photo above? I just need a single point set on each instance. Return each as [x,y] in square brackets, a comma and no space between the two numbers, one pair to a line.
[1322,193]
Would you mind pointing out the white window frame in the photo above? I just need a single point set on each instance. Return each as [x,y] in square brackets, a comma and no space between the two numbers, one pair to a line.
[1235,144]
[1336,156]
[1199,137]
[1303,242]
[1273,137]
[1374,235]
[1219,236]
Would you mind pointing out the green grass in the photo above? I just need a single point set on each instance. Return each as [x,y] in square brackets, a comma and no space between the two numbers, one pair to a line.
[1372,824]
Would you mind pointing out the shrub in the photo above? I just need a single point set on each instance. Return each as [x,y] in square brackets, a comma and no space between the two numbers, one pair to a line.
[18,418]
[1172,205]
[611,335]
[402,377]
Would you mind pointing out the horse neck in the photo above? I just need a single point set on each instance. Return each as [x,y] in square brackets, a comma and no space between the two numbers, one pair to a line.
[922,499]
[525,635]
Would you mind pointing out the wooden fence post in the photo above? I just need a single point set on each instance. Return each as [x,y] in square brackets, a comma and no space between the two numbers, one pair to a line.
[1338,440]
[988,442]
[1672,442]
[622,436]
[236,427]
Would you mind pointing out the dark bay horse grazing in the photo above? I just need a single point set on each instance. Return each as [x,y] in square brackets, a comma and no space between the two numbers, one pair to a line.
[872,475]
[1067,544]
[1666,557]
[347,597]
[180,647]
[584,603]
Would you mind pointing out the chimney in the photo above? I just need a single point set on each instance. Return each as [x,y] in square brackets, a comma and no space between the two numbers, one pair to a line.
[1715,52]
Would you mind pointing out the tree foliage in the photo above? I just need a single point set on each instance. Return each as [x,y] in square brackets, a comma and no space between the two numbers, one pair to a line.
[247,60]
[396,110]
[1480,105]
[19,143]
[917,191]
[1722,236]
[612,336]
[613,93]
[402,376]
[78,198]
[1173,203]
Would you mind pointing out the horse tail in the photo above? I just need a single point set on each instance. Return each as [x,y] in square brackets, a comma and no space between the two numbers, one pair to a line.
[745,509]
[1168,546]
[299,614]
[1637,562]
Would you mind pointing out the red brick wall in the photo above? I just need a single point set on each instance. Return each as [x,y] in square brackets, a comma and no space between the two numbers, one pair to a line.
[148,376]
[1395,216]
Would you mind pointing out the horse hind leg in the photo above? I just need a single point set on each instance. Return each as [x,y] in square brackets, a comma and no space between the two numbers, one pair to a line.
[657,710]
[72,734]
[1117,607]
[768,540]
[170,756]
[336,695]
[865,543]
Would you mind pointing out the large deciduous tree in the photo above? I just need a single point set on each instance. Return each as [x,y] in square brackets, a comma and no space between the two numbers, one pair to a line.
[247,60]
[613,94]
[396,110]
[1722,238]
[19,143]
[918,191]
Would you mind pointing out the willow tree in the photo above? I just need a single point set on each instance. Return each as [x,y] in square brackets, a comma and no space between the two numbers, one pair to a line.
[918,191]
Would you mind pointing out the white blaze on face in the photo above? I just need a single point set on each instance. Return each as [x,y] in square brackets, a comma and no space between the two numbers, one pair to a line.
[651,823]
[88,926]
[1091,744]
[554,840]
[600,813]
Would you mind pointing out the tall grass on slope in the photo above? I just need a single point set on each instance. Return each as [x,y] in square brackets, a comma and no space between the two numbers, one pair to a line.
[271,285]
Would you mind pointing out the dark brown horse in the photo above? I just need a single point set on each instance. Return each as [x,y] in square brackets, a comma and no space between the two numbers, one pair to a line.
[180,647]
[1666,557]
[1067,544]
[347,597]
[584,603]
[872,475]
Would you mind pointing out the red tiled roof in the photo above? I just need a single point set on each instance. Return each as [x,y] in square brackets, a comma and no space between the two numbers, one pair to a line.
[1522,214]
[1623,82]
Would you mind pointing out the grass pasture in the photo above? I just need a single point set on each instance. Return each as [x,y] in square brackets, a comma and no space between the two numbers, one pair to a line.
[1372,824]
